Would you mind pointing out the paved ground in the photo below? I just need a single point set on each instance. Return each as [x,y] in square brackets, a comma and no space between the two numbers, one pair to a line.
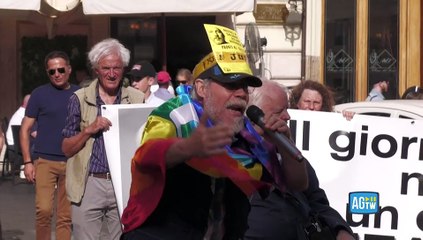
[17,211]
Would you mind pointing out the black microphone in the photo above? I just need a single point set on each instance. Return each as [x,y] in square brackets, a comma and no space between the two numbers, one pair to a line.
[255,114]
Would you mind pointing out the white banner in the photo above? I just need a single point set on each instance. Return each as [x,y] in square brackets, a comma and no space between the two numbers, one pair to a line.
[367,154]
[121,142]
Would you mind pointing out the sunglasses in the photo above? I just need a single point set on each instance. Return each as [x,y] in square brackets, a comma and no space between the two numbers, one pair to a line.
[61,70]
[182,81]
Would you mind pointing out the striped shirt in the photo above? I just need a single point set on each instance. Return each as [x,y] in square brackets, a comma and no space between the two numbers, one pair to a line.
[98,159]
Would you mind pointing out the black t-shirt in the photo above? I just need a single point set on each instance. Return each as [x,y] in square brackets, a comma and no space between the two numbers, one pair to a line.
[185,206]
[183,210]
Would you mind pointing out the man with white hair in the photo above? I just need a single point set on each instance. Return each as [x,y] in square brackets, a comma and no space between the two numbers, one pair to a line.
[88,181]
[201,149]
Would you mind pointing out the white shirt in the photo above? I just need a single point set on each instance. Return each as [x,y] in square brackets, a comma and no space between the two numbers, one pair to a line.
[16,119]
[156,86]
[154,101]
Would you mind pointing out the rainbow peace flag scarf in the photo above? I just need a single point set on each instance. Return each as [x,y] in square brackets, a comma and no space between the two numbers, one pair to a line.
[177,118]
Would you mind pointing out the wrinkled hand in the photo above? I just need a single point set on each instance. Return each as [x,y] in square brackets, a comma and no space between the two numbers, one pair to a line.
[29,171]
[206,141]
[344,235]
[276,124]
[100,124]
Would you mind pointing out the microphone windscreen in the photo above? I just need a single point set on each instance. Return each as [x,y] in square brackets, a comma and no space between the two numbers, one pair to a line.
[254,113]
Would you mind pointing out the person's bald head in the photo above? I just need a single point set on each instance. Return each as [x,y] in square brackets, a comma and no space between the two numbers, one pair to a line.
[268,92]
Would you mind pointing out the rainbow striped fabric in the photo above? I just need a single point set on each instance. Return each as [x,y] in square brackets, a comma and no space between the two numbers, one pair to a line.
[177,118]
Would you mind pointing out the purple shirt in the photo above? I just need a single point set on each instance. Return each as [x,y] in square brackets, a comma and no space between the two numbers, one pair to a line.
[98,159]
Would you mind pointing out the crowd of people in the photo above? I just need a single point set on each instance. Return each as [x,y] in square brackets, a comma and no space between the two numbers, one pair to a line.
[220,177]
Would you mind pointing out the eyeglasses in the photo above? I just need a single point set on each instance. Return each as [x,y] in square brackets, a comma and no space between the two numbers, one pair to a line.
[61,70]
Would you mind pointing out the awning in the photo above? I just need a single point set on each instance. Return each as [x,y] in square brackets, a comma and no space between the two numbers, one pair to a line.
[166,6]
[20,4]
[95,7]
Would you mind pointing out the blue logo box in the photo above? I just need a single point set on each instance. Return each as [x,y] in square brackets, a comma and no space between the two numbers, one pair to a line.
[363,202]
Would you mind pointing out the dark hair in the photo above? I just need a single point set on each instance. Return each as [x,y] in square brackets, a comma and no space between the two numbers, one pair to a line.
[56,54]
[327,95]
[414,92]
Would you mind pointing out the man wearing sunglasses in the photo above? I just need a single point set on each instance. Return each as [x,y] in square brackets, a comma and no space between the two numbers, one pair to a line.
[48,108]
[200,151]
[184,77]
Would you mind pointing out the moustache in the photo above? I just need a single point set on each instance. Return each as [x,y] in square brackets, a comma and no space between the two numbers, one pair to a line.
[237,104]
